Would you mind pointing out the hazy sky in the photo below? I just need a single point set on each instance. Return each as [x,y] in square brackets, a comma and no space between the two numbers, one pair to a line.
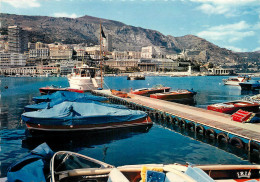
[232,24]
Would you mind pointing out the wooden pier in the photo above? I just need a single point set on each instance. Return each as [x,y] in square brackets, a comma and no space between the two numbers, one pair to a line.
[209,123]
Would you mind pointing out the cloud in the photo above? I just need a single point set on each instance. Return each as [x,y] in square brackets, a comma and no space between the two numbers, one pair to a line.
[210,9]
[23,3]
[236,49]
[228,8]
[256,49]
[73,15]
[228,33]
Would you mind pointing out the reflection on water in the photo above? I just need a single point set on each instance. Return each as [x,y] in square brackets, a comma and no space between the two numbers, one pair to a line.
[81,140]
[158,145]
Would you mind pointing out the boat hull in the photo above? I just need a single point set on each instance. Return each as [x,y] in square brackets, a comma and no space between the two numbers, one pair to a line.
[119,93]
[231,107]
[37,129]
[173,96]
[84,83]
[148,92]
[49,90]
[248,86]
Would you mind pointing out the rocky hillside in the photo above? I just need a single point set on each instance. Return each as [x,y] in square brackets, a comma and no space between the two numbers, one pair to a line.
[125,37]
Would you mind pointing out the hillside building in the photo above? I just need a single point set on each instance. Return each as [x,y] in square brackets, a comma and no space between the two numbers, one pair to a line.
[150,52]
[60,52]
[8,59]
[17,40]
[107,43]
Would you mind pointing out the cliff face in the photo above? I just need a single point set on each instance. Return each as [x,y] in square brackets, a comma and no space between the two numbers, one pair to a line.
[125,37]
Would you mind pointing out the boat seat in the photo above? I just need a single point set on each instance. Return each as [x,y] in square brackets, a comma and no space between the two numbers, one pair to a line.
[116,176]
[171,177]
[198,174]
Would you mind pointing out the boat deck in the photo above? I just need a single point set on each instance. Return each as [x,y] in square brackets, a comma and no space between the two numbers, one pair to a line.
[205,117]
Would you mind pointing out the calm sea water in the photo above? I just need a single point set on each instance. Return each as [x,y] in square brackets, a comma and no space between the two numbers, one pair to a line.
[160,144]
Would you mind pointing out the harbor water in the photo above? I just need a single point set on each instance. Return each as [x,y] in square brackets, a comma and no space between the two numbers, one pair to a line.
[159,144]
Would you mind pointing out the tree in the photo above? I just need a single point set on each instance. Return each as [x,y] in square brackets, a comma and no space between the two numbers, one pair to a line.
[211,65]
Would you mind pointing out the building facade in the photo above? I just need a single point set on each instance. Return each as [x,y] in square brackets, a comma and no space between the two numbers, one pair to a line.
[60,52]
[8,59]
[17,40]
[150,52]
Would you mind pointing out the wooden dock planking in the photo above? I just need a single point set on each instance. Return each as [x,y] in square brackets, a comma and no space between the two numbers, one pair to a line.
[201,116]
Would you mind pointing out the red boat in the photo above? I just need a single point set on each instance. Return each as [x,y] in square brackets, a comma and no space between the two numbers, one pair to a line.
[52,89]
[149,91]
[174,95]
[231,107]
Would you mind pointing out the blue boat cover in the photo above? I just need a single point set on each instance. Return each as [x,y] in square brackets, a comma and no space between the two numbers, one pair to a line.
[79,113]
[58,100]
[67,95]
[32,167]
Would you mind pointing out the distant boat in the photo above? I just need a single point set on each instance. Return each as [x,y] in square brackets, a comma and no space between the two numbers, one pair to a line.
[135,77]
[236,80]
[250,85]
[87,117]
[149,91]
[174,95]
[233,106]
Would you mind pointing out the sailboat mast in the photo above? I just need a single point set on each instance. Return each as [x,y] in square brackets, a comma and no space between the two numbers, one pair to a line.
[101,59]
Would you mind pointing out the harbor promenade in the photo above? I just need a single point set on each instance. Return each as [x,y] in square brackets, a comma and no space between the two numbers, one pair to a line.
[215,122]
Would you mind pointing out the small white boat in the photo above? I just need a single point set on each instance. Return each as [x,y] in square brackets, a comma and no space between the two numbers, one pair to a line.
[70,166]
[85,78]
[236,80]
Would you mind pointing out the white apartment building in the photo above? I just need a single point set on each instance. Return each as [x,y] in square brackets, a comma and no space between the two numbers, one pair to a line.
[150,52]
[12,59]
[42,53]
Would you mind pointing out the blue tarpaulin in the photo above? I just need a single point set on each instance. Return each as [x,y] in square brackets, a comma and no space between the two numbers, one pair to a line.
[78,97]
[33,167]
[67,95]
[77,113]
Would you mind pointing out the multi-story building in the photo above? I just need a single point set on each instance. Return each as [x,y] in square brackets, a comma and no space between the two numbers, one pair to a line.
[150,52]
[119,55]
[8,59]
[107,42]
[28,70]
[122,64]
[51,68]
[17,40]
[40,53]
[60,52]
[134,55]
[94,52]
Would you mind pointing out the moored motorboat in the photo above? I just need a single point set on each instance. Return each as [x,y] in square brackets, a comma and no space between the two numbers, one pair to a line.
[49,102]
[250,85]
[119,93]
[65,95]
[135,77]
[51,89]
[75,116]
[233,106]
[236,80]
[174,95]
[43,164]
[85,78]
[149,91]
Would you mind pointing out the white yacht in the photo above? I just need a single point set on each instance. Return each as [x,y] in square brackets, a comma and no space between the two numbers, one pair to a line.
[85,78]
[236,80]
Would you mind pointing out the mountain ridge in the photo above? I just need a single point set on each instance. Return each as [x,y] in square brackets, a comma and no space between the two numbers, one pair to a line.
[125,37]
